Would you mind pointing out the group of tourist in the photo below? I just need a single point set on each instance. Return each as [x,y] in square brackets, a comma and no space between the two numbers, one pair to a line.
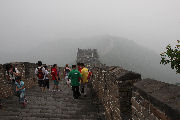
[79,78]
[44,75]
[75,78]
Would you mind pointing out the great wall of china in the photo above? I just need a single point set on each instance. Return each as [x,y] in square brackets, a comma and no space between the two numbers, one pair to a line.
[118,94]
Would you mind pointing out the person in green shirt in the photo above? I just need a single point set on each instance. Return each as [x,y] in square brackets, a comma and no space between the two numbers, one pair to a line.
[74,75]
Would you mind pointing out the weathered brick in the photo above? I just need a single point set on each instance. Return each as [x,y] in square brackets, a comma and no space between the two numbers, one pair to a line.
[158,113]
[145,112]
[136,105]
[145,104]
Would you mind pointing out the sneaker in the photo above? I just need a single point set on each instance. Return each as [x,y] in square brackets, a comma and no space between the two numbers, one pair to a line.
[26,100]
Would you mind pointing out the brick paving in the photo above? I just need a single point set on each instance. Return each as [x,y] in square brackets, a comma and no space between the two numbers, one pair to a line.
[49,105]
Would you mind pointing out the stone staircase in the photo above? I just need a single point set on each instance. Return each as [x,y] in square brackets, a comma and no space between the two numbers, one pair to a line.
[49,105]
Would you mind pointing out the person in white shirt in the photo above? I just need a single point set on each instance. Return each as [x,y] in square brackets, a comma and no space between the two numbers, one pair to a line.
[47,75]
[11,74]
[40,72]
[66,73]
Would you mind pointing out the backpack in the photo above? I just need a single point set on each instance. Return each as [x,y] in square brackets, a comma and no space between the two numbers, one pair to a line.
[40,74]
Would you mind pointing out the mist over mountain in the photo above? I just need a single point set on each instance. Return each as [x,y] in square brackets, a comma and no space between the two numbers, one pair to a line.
[112,50]
[133,57]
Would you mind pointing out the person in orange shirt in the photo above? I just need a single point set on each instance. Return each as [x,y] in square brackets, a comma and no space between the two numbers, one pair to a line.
[84,81]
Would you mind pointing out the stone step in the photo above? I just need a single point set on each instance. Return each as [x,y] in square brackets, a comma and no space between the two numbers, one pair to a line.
[49,105]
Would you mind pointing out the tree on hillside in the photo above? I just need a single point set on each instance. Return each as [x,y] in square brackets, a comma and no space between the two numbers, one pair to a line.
[172,56]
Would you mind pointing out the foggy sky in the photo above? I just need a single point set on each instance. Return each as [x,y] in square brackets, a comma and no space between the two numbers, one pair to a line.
[25,23]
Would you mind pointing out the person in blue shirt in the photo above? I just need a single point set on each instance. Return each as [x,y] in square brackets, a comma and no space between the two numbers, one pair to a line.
[20,89]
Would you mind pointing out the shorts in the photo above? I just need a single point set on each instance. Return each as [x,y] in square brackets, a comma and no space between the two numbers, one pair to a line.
[56,82]
[21,96]
[41,83]
[66,78]
[68,82]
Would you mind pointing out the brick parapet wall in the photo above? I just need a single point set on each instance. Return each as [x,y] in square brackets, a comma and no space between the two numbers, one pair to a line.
[113,87]
[155,100]
[5,88]
[125,96]
[27,72]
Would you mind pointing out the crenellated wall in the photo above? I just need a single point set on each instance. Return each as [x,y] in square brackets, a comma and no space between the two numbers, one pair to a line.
[113,87]
[88,56]
[123,95]
[27,72]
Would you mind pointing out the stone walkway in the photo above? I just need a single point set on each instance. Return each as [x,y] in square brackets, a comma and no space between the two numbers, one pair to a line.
[49,106]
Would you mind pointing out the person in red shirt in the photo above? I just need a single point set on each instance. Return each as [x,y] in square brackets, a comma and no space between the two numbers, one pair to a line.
[54,75]
[79,67]
[89,75]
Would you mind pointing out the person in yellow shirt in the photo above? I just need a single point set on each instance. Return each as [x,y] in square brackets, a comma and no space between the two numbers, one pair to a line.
[84,81]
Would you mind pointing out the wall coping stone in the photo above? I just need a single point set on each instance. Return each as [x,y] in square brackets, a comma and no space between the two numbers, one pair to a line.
[162,95]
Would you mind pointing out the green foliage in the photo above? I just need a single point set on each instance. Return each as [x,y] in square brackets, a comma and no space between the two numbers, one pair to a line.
[172,56]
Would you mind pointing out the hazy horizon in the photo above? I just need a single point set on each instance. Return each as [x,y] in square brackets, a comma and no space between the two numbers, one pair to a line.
[153,24]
